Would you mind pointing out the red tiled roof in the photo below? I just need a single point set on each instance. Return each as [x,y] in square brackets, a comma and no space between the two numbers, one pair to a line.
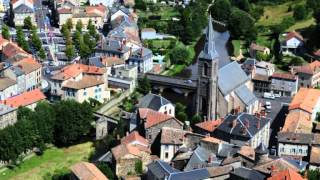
[306,99]
[284,76]
[25,98]
[209,126]
[308,68]
[124,149]
[111,61]
[297,121]
[28,65]
[87,171]
[64,11]
[74,70]
[287,174]
[134,137]
[153,117]
[99,9]
[12,49]
[293,34]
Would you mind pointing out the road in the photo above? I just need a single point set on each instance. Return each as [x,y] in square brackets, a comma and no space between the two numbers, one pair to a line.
[41,15]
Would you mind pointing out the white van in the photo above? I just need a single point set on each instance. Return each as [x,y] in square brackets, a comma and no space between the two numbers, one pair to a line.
[268,95]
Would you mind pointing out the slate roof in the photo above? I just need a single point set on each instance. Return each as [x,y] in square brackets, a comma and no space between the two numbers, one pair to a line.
[240,127]
[172,136]
[245,95]
[209,52]
[4,109]
[6,83]
[231,76]
[248,174]
[228,150]
[23,9]
[196,174]
[152,101]
[199,159]
[161,169]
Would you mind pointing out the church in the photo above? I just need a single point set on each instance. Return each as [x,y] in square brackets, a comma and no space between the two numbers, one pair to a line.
[223,87]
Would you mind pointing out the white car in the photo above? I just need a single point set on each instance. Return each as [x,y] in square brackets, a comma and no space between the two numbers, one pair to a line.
[277,95]
[268,95]
[268,105]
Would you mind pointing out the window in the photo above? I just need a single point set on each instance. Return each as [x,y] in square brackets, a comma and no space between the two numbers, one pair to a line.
[205,69]
[84,93]
[301,84]
[169,111]
[166,155]
[149,137]
[300,151]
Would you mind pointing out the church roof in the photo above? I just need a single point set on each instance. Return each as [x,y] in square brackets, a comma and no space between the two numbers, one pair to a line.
[209,51]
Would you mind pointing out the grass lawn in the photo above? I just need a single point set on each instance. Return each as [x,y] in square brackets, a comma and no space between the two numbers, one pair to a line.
[53,159]
[165,11]
[302,24]
[174,69]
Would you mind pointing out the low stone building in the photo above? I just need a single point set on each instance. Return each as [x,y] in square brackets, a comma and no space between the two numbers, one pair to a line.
[171,140]
[8,116]
[152,122]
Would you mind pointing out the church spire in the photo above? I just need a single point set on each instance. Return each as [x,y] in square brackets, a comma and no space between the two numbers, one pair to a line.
[209,51]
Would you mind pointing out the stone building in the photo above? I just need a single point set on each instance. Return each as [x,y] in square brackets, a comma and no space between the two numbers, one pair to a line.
[152,122]
[8,115]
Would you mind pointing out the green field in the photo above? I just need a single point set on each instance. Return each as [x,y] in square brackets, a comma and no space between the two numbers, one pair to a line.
[53,159]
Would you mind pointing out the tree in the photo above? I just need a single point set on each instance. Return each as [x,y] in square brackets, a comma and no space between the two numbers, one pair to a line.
[91,42]
[84,50]
[242,24]
[300,12]
[42,54]
[196,119]
[140,4]
[105,169]
[35,39]
[5,32]
[180,55]
[313,174]
[69,24]
[221,10]
[244,5]
[21,39]
[182,116]
[138,167]
[77,38]
[65,31]
[181,112]
[144,85]
[27,23]
[70,51]
[296,61]
[92,29]
[73,120]
[79,26]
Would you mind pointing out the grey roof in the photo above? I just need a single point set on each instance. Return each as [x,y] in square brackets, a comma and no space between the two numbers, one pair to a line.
[196,174]
[107,157]
[16,70]
[245,127]
[115,9]
[161,169]
[136,55]
[209,52]
[250,61]
[231,77]
[115,46]
[200,158]
[22,8]
[95,61]
[4,109]
[245,95]
[228,150]
[153,101]
[301,165]
[248,174]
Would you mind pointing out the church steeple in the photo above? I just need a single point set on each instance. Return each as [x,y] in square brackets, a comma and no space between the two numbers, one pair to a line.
[209,51]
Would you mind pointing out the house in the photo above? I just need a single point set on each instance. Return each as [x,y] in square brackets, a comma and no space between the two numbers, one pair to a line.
[141,58]
[152,122]
[207,127]
[80,82]
[148,33]
[160,170]
[244,129]
[32,71]
[86,171]
[8,115]
[264,68]
[17,74]
[97,14]
[119,12]
[27,99]
[255,48]
[171,140]
[8,88]
[308,75]
[291,43]
[220,172]
[284,84]
[124,77]
[314,162]
[287,174]
[157,103]
[110,63]
[107,3]
[113,48]
[235,91]
[127,155]
[21,10]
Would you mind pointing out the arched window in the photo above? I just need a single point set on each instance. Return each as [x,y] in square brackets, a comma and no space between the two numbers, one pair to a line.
[205,69]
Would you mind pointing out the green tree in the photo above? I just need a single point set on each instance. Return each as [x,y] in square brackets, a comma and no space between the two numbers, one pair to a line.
[180,111]
[182,116]
[5,32]
[35,39]
[196,119]
[70,51]
[313,174]
[21,39]
[42,54]
[92,29]
[73,120]
[27,23]
[65,31]
[138,167]
[242,24]
[140,4]
[144,85]
[296,61]
[91,42]
[45,118]
[84,50]
[106,170]
[221,10]
[180,55]
[300,12]
[79,26]
[69,24]
[77,38]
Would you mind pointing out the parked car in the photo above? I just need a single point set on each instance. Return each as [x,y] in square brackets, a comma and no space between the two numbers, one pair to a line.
[277,95]
[268,105]
[268,95]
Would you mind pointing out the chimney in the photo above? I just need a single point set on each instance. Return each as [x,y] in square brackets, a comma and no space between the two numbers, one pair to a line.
[258,124]
[141,52]
[209,158]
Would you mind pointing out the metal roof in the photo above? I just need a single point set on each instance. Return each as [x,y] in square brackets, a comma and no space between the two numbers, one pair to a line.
[245,95]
